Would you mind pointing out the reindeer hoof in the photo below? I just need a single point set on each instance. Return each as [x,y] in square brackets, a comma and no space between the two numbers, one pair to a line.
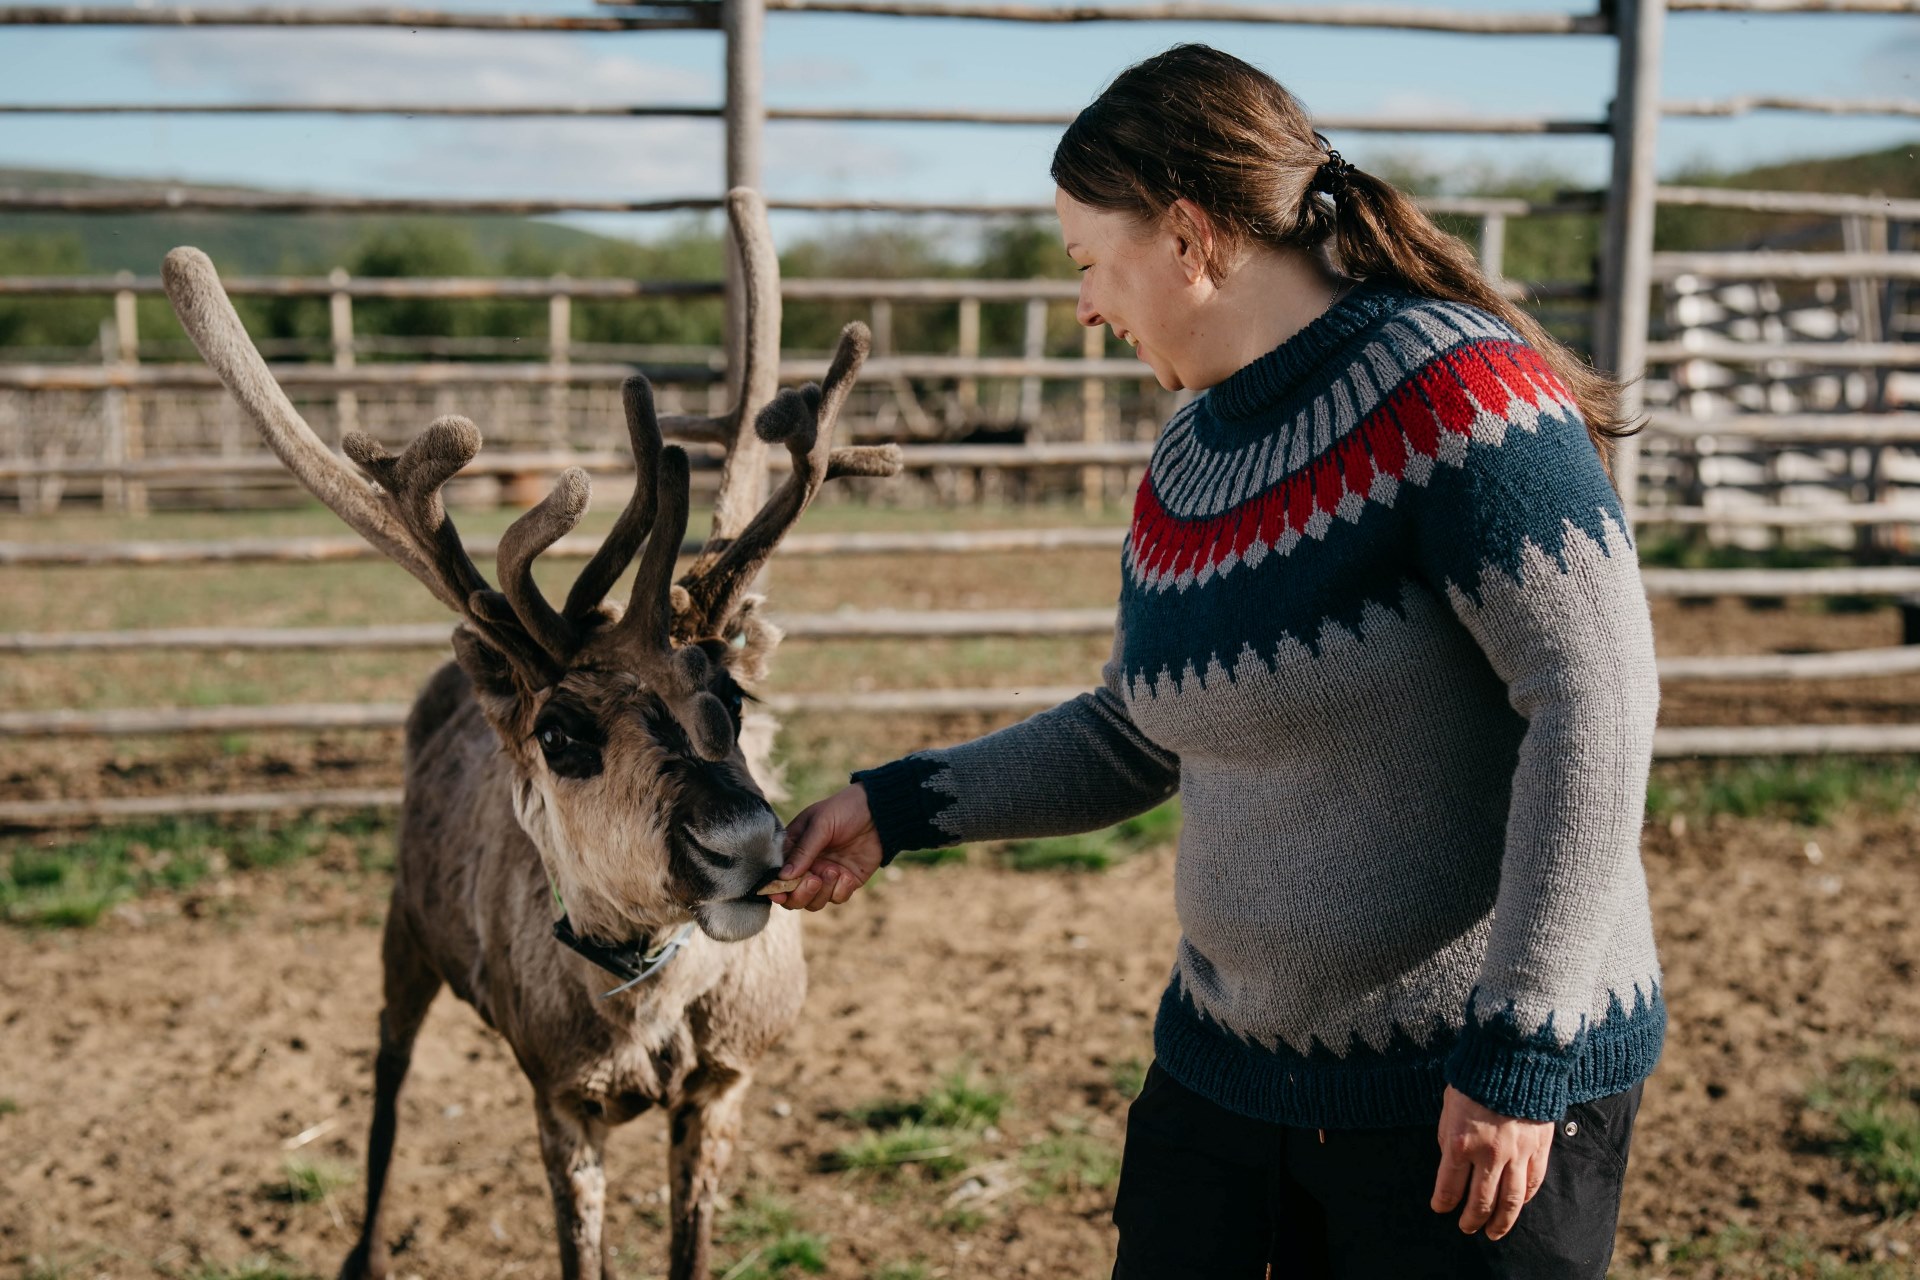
[366,1262]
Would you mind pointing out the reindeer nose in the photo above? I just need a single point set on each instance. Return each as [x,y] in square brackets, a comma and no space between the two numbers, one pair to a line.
[750,838]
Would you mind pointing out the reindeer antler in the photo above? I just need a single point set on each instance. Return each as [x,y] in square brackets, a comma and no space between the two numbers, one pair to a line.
[803,419]
[404,516]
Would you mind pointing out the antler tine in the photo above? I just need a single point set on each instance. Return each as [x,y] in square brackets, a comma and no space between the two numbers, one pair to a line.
[803,419]
[413,481]
[545,524]
[630,530]
[649,612]
[208,316]
[742,475]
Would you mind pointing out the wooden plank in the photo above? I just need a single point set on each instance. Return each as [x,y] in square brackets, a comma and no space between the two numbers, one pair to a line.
[1785,517]
[663,17]
[1625,276]
[1344,15]
[1786,266]
[71,555]
[46,813]
[876,624]
[1748,103]
[1831,205]
[1838,428]
[1795,6]
[126,721]
[1877,580]
[1852,355]
[1787,740]
[1849,664]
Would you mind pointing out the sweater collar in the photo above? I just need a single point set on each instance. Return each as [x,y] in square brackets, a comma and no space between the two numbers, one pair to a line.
[1256,387]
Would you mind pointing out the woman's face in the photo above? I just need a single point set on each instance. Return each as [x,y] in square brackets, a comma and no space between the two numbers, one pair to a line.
[1135,280]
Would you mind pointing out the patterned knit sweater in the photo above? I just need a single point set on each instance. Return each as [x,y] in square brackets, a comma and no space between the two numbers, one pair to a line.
[1382,628]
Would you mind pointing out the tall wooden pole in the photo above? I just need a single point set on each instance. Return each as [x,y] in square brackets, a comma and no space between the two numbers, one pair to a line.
[1620,345]
[744,23]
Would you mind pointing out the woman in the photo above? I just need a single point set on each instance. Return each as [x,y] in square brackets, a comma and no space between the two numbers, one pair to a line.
[1382,628]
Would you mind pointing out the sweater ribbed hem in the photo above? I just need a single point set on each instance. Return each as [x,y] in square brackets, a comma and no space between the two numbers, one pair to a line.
[903,807]
[1364,1089]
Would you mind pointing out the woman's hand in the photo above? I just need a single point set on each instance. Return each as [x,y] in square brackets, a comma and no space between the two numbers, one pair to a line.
[1504,1159]
[832,849]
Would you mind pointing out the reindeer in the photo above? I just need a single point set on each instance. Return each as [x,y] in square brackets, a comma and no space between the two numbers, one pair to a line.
[587,761]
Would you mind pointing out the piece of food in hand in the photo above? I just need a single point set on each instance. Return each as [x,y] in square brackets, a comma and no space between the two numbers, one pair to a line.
[780,886]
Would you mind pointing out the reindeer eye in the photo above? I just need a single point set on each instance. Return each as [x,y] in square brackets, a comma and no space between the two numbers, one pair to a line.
[552,738]
[570,740]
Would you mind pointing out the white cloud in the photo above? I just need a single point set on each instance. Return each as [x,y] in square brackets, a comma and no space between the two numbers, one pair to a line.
[440,67]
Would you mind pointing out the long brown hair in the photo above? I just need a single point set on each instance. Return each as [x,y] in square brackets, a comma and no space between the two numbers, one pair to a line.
[1197,123]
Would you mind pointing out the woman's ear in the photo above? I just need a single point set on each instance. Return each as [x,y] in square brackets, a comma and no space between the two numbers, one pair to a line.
[1195,238]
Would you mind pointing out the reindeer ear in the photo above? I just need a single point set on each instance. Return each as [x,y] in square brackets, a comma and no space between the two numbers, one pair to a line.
[495,683]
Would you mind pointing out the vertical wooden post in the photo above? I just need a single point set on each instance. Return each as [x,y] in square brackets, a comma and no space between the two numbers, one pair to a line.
[881,322]
[969,388]
[126,325]
[1627,266]
[744,24]
[1034,347]
[559,356]
[1493,245]
[1093,417]
[346,404]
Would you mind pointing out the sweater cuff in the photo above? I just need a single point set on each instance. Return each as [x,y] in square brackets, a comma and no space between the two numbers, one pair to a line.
[1523,1079]
[902,807]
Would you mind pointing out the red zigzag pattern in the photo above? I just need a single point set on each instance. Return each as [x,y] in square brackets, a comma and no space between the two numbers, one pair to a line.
[1448,394]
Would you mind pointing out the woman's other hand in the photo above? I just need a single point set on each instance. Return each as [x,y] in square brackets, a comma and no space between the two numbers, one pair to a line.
[1495,1161]
[832,849]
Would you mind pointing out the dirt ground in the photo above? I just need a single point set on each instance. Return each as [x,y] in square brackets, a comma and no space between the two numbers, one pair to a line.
[154,1068]
[161,1061]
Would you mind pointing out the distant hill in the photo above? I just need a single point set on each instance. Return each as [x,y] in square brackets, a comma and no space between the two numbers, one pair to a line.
[265,243]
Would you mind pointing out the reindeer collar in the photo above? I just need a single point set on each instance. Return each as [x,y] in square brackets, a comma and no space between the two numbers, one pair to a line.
[630,960]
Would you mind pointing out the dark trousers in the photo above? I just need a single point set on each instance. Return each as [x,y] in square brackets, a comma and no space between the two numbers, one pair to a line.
[1206,1194]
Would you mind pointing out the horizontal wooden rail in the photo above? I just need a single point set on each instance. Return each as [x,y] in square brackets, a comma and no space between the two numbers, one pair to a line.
[307,717]
[1342,15]
[1852,355]
[1748,103]
[879,624]
[198,199]
[80,555]
[1796,516]
[1491,125]
[663,17]
[914,457]
[127,377]
[46,813]
[1872,580]
[1787,266]
[1812,428]
[1833,206]
[1793,6]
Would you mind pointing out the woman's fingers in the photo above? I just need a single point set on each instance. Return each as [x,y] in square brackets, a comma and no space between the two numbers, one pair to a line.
[1537,1171]
[1510,1199]
[805,838]
[1455,1168]
[1483,1195]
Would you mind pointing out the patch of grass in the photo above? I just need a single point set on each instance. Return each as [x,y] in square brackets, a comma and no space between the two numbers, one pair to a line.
[1128,1077]
[1070,1161]
[932,857]
[251,1269]
[1741,1253]
[903,1271]
[1875,1113]
[775,1245]
[1096,850]
[310,1181]
[73,883]
[8,1107]
[1682,552]
[958,1101]
[1810,791]
[939,1152]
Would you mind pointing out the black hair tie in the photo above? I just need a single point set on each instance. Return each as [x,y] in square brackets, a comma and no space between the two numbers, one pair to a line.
[1332,175]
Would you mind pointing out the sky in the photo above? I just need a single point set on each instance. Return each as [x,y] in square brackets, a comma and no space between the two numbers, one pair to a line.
[856,61]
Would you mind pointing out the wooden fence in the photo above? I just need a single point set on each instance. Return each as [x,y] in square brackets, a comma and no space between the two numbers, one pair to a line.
[1625,342]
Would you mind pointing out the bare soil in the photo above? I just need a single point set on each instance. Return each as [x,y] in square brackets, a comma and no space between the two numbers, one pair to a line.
[160,1062]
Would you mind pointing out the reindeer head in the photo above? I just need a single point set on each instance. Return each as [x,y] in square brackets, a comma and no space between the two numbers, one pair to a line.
[623,726]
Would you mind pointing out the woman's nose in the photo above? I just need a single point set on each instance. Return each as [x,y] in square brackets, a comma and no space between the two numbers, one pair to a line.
[1085,312]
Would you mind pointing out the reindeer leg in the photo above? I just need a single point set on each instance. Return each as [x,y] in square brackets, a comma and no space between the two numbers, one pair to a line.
[704,1126]
[571,1143]
[411,985]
